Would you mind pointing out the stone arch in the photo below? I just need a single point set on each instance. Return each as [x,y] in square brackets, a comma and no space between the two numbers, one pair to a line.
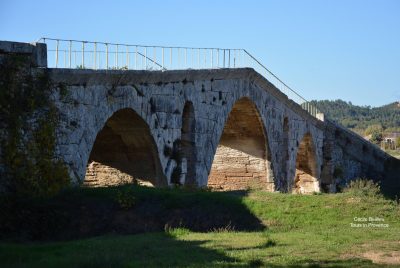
[124,151]
[242,159]
[305,179]
[188,144]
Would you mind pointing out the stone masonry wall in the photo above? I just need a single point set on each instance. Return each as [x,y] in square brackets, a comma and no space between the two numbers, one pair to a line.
[183,136]
[240,161]
[348,156]
[306,180]
[159,98]
[124,144]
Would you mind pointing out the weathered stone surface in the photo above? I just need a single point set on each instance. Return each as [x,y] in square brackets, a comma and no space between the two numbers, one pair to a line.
[227,128]
[240,161]
[37,52]
[239,130]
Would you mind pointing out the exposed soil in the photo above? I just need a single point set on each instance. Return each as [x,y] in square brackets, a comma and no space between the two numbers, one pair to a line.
[379,252]
[383,257]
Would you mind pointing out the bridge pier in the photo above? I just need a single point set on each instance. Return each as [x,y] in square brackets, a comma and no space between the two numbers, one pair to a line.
[195,127]
[207,128]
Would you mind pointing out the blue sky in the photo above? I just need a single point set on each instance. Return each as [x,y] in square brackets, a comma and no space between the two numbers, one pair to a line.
[345,49]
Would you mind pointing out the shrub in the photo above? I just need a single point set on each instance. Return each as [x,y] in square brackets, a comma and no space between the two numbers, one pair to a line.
[126,198]
[376,137]
[175,232]
[374,129]
[363,187]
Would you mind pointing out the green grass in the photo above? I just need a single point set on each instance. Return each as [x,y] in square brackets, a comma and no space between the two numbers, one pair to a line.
[301,231]
[394,153]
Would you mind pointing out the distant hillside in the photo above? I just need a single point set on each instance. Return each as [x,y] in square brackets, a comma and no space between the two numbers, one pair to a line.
[359,118]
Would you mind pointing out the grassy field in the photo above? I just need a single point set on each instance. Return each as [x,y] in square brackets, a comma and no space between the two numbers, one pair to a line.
[299,231]
[394,153]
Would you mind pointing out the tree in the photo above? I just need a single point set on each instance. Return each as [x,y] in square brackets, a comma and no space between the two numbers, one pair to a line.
[374,129]
[376,137]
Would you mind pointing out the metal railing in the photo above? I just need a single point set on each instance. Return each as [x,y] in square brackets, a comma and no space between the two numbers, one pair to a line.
[62,53]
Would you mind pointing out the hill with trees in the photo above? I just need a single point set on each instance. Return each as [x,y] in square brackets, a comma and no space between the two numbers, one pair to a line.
[362,119]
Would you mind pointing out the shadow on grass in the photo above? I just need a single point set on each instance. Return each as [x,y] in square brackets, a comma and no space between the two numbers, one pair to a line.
[316,264]
[143,250]
[86,212]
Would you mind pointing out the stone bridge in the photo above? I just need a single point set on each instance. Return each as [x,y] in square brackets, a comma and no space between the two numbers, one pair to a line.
[227,129]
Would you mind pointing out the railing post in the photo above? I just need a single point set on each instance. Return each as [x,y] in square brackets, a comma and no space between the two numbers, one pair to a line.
[95,54]
[154,57]
[116,57]
[224,60]
[186,58]
[70,50]
[145,57]
[135,57]
[83,55]
[127,57]
[217,57]
[162,52]
[107,56]
[192,53]
[229,58]
[179,58]
[234,58]
[212,60]
[57,53]
[170,57]
[205,58]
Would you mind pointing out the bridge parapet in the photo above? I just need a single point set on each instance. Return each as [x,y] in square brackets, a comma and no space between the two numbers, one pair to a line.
[36,52]
[182,116]
[94,55]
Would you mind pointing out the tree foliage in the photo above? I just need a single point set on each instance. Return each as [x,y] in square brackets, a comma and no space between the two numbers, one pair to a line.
[365,119]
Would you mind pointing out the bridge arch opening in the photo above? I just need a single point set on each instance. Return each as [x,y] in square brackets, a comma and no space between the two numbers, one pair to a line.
[305,179]
[188,141]
[124,152]
[242,159]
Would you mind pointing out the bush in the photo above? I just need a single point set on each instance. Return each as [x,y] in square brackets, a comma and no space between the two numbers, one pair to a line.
[376,137]
[374,129]
[363,187]
[175,232]
[126,198]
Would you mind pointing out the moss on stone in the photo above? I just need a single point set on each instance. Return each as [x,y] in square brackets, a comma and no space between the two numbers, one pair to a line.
[28,123]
